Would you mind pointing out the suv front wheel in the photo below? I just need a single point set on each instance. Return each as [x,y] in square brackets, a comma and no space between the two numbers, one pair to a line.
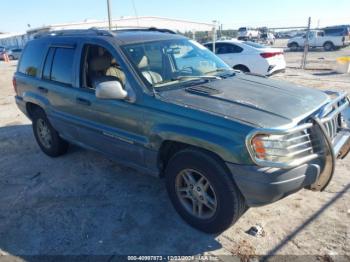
[203,192]
[46,136]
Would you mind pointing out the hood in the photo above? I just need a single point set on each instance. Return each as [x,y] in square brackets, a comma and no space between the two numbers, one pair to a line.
[254,100]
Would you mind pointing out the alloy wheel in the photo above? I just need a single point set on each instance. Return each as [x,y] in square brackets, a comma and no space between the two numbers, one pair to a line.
[44,133]
[196,194]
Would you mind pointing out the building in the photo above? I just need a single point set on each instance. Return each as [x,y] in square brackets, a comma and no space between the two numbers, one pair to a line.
[13,39]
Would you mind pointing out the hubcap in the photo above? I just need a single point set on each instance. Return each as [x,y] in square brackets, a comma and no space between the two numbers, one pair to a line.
[44,133]
[196,194]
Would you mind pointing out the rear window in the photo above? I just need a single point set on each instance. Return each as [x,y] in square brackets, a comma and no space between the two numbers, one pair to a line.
[31,58]
[256,45]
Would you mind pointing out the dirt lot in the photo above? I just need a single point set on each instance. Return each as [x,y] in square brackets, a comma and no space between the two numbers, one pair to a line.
[82,203]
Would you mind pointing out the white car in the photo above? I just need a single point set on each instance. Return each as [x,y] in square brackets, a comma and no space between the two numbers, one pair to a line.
[250,57]
[247,33]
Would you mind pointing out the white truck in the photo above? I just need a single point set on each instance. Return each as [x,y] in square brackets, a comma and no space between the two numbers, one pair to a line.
[317,38]
[247,33]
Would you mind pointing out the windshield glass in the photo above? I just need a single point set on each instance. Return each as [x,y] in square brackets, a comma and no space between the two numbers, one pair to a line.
[168,62]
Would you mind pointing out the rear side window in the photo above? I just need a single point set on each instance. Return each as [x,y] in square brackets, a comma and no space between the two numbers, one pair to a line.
[335,31]
[31,58]
[59,65]
[62,66]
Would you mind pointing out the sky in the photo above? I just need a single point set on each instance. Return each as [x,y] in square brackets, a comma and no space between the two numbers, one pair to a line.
[230,13]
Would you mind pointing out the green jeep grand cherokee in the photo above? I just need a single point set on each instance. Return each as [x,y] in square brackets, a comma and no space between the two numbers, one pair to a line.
[161,103]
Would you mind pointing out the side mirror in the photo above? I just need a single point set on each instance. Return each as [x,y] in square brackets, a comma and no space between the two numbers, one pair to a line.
[110,90]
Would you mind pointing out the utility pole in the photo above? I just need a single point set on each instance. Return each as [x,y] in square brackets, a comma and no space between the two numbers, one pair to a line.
[214,35]
[306,45]
[109,15]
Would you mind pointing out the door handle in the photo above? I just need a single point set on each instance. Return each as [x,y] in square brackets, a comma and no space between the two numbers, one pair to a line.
[43,89]
[83,101]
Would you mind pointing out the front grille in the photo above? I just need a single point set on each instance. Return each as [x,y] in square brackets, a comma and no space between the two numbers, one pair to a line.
[304,142]
[332,126]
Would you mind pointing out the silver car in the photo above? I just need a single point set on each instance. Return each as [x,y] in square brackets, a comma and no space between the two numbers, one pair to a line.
[14,54]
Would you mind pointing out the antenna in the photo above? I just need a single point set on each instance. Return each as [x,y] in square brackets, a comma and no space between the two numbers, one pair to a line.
[109,15]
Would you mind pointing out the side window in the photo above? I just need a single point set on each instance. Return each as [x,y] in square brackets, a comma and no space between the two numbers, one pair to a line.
[226,48]
[220,48]
[232,48]
[99,65]
[31,58]
[62,66]
[209,46]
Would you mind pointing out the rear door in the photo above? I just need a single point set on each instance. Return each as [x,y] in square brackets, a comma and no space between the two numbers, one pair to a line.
[230,53]
[58,80]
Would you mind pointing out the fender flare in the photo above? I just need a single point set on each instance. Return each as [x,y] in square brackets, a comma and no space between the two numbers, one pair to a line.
[228,149]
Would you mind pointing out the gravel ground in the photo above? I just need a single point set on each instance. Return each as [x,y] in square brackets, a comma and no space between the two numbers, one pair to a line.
[84,204]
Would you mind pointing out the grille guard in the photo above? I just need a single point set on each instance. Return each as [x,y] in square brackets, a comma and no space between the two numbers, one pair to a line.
[340,103]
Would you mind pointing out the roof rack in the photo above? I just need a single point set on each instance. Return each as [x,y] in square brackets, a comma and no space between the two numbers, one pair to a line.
[74,32]
[99,32]
[155,29]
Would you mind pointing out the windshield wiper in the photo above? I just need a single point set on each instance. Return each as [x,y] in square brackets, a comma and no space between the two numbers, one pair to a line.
[229,71]
[197,77]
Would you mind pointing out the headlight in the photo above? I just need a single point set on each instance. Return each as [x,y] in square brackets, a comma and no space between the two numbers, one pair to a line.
[280,150]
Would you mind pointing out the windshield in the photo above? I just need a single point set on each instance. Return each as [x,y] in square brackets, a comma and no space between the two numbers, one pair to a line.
[167,62]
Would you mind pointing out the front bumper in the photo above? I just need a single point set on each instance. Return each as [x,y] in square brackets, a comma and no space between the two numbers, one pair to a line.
[261,185]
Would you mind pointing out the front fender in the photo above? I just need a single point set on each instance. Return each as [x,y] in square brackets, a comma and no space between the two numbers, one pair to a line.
[230,149]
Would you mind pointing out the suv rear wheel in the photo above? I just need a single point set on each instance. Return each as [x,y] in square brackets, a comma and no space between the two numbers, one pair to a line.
[294,47]
[46,136]
[203,192]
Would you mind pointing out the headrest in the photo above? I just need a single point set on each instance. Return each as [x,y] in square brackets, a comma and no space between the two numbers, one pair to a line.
[143,62]
[100,63]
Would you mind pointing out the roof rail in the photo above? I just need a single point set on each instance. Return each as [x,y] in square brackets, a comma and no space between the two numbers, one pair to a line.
[155,29]
[74,32]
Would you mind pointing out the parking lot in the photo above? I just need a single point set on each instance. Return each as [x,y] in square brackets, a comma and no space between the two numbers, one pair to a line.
[85,204]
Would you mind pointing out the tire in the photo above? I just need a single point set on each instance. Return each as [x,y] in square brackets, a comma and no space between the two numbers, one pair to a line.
[328,46]
[51,144]
[294,47]
[242,68]
[229,202]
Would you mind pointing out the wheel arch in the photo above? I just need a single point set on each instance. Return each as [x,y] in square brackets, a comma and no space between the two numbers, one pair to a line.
[31,108]
[241,66]
[34,101]
[223,148]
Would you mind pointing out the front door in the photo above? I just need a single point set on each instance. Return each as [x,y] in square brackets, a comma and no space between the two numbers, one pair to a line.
[110,126]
